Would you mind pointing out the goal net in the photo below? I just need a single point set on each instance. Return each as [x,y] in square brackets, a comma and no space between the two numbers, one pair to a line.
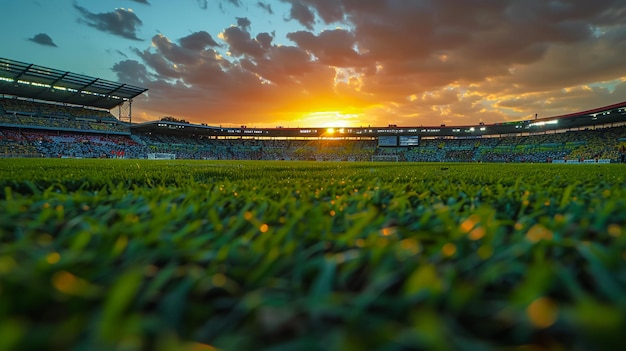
[161,156]
[384,158]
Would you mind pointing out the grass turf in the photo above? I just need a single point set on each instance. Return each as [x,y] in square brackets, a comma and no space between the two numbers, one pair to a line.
[171,255]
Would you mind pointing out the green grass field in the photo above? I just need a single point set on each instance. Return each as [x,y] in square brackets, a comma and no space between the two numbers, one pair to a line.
[182,255]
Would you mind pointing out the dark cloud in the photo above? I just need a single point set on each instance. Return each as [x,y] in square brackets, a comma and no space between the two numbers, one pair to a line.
[410,62]
[265,80]
[266,7]
[203,4]
[331,47]
[423,46]
[301,13]
[265,39]
[163,68]
[243,23]
[43,39]
[172,61]
[198,41]
[120,22]
[132,72]
[145,2]
[240,43]
[188,62]
[281,65]
[116,52]
[173,53]
[235,2]
[567,66]
[329,10]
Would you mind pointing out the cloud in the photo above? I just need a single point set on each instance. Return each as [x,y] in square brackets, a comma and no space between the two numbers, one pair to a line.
[330,11]
[265,80]
[181,62]
[388,61]
[198,41]
[332,47]
[302,13]
[235,2]
[282,65]
[240,43]
[116,52]
[121,53]
[266,7]
[43,39]
[265,39]
[163,68]
[203,4]
[132,72]
[120,22]
[420,47]
[244,23]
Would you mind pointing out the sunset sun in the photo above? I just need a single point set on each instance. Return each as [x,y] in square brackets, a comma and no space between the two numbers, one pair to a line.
[332,120]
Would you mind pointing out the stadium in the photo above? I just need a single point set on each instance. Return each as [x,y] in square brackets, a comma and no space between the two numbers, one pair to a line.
[170,235]
[50,113]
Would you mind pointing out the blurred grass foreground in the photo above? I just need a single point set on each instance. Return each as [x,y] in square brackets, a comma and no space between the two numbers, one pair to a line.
[184,255]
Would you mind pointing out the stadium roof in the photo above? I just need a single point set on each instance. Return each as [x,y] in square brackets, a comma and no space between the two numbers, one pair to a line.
[606,115]
[49,84]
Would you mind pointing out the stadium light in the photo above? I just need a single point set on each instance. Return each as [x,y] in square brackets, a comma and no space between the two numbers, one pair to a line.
[541,124]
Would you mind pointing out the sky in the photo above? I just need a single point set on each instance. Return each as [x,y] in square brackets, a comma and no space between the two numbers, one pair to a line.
[334,63]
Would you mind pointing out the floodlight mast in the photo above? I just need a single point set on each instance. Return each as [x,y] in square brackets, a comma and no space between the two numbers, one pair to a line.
[125,113]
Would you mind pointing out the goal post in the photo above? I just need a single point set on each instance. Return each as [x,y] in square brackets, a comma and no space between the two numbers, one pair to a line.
[161,156]
[384,158]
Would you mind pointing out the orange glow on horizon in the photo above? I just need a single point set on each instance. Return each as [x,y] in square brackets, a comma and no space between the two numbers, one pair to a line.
[333,121]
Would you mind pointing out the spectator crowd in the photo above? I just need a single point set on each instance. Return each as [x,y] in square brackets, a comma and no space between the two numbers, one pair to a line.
[36,129]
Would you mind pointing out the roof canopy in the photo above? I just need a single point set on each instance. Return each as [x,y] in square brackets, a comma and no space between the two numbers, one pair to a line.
[43,83]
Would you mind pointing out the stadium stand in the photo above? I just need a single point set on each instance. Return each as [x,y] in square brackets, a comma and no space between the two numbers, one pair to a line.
[579,145]
[45,143]
[27,114]
[27,131]
[34,129]
[45,112]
